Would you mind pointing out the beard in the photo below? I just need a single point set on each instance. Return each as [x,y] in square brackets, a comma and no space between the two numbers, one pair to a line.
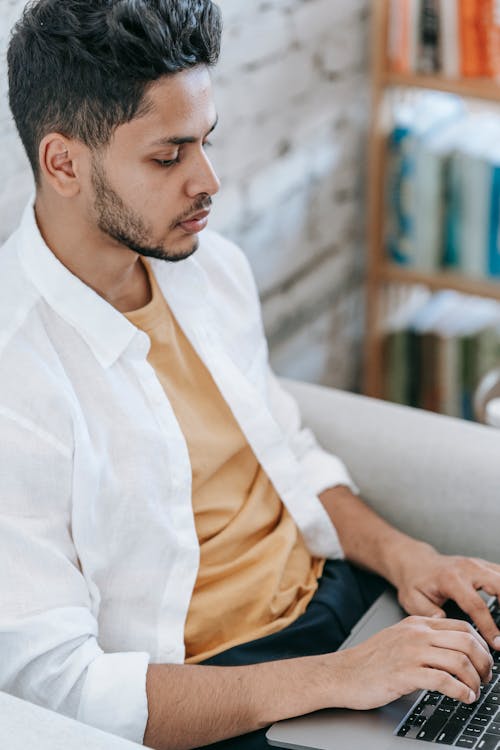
[125,226]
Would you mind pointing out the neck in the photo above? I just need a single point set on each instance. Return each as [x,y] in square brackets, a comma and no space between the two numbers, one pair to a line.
[112,270]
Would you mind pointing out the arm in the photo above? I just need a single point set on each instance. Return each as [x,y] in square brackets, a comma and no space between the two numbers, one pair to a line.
[375,544]
[50,652]
[209,704]
[229,701]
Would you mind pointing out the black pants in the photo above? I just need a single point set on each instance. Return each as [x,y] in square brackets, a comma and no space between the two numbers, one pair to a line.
[344,594]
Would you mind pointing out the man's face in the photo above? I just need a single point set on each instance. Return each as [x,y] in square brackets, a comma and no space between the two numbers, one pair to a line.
[152,186]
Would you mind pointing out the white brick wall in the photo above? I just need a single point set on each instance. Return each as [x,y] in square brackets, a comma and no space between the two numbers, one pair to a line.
[293,99]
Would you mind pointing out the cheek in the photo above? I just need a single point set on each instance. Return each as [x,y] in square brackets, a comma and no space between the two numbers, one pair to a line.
[153,195]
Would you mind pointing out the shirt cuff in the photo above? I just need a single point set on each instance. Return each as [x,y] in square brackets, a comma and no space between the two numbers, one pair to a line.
[325,471]
[114,696]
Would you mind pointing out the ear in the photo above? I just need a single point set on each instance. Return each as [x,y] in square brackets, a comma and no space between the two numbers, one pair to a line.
[59,159]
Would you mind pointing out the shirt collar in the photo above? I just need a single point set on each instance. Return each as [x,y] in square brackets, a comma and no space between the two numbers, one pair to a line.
[107,332]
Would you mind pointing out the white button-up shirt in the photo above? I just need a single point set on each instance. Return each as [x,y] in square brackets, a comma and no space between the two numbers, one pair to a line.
[98,547]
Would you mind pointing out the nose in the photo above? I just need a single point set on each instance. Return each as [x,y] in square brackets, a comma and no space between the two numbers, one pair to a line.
[203,178]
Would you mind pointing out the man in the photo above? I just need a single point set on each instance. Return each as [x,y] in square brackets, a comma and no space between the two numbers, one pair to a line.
[164,521]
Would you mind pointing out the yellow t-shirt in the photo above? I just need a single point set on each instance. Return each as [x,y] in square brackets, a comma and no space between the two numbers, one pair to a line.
[256,575]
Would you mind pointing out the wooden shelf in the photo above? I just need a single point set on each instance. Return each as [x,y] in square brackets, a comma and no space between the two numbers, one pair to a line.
[481,88]
[438,280]
[380,270]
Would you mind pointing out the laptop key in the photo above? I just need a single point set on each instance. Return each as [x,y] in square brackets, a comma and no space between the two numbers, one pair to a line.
[466,742]
[465,711]
[472,731]
[488,742]
[450,732]
[482,720]
[449,702]
[479,725]
[433,725]
[487,710]
[409,731]
[493,699]
[431,699]
[494,728]
[415,719]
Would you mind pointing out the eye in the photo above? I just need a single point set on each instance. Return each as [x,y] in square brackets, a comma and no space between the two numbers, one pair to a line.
[164,163]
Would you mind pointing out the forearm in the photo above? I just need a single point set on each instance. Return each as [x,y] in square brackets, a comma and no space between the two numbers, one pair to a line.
[190,706]
[367,540]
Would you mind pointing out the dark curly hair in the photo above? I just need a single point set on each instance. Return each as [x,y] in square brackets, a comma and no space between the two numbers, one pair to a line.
[83,67]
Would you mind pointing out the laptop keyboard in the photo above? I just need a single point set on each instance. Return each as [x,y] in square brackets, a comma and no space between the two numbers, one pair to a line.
[436,718]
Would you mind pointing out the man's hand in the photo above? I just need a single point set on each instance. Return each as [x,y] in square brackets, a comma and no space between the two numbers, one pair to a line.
[425,579]
[417,653]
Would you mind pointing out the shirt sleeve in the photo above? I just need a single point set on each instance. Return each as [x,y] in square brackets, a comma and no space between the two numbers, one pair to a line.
[323,469]
[49,637]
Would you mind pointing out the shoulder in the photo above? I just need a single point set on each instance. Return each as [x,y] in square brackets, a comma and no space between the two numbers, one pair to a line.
[32,383]
[18,296]
[220,256]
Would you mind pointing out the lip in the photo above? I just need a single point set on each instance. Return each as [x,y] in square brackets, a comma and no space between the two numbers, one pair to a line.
[196,223]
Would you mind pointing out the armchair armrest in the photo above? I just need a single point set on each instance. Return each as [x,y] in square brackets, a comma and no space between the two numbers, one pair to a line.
[24,726]
[434,477]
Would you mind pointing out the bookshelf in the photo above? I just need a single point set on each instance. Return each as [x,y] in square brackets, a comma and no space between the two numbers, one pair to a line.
[381,272]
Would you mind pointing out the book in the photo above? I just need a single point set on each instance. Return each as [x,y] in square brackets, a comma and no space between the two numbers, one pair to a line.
[410,182]
[493,38]
[414,16]
[438,348]
[399,226]
[488,350]
[396,358]
[399,36]
[450,48]
[448,365]
[452,229]
[469,40]
[493,266]
[458,38]
[429,53]
[430,390]
[432,158]
[475,184]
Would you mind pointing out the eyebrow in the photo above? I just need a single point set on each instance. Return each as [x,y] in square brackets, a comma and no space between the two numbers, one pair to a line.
[180,140]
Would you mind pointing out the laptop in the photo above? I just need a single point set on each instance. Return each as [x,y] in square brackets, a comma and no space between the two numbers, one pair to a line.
[423,716]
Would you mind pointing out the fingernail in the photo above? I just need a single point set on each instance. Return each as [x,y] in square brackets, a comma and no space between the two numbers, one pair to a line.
[496,642]
[472,696]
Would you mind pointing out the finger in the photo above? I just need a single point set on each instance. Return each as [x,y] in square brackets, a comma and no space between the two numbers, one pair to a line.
[467,649]
[461,626]
[418,603]
[477,609]
[487,564]
[457,664]
[443,682]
